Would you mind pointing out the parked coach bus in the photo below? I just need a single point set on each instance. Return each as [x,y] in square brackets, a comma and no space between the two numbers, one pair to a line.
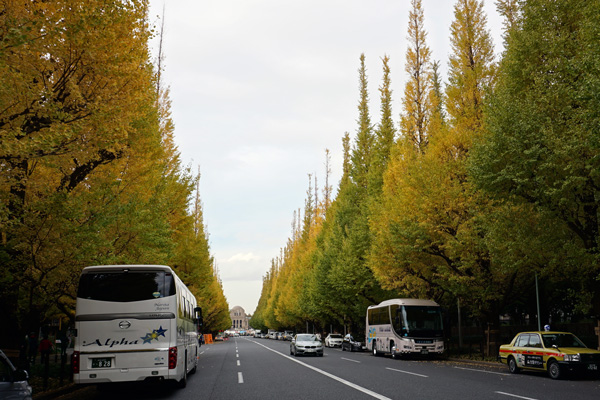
[134,323]
[405,326]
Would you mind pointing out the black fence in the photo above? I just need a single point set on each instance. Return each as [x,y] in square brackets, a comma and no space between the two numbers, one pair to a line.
[482,342]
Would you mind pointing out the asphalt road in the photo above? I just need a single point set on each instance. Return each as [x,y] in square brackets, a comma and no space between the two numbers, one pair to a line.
[247,368]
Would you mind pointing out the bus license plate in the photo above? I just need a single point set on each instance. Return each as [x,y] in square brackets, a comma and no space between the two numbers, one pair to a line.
[593,367]
[101,363]
[424,351]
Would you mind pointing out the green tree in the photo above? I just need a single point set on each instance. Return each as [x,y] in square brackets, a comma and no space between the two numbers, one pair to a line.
[418,109]
[384,134]
[76,98]
[430,231]
[542,143]
[89,173]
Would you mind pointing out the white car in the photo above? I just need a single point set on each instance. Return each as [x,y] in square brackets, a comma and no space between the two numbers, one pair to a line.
[334,340]
[305,344]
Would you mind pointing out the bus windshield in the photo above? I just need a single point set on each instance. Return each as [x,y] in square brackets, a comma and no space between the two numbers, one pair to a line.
[417,321]
[126,286]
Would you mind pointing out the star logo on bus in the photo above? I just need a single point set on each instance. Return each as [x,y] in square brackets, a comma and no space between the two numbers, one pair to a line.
[154,335]
[161,331]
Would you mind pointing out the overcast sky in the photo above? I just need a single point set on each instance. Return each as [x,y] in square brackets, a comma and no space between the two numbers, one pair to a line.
[259,90]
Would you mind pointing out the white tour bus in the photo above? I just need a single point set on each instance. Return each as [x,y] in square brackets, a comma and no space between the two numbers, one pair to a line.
[405,326]
[134,323]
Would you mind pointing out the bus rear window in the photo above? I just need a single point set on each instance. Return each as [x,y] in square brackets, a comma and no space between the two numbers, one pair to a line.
[126,286]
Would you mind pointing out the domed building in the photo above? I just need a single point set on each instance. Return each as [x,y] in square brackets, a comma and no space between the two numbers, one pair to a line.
[239,319]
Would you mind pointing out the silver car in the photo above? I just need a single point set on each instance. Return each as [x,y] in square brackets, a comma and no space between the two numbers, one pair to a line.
[13,381]
[306,343]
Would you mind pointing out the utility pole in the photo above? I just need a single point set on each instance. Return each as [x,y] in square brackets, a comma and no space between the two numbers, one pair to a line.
[460,341]
[537,298]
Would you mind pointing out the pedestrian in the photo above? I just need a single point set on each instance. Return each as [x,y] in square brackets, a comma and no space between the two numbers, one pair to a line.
[64,344]
[33,347]
[23,361]
[45,349]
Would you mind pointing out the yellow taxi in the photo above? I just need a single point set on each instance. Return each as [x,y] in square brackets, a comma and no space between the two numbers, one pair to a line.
[554,352]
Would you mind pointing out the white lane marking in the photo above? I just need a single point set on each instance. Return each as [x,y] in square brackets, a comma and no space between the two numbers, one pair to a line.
[481,370]
[237,355]
[240,377]
[238,363]
[517,396]
[347,359]
[345,382]
[201,353]
[406,372]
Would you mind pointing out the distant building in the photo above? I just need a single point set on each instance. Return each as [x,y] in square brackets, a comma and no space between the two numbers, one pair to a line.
[239,319]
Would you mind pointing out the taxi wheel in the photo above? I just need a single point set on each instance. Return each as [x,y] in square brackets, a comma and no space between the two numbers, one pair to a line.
[554,370]
[512,366]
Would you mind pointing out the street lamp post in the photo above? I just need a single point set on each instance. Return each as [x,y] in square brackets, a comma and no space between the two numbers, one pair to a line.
[537,298]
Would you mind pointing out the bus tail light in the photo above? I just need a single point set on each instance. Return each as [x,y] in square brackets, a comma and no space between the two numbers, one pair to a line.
[75,362]
[172,357]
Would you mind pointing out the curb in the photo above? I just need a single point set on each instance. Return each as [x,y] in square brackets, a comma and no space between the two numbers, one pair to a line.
[477,362]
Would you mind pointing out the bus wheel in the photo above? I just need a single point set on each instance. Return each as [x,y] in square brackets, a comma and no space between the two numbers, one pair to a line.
[183,382]
[193,371]
[393,349]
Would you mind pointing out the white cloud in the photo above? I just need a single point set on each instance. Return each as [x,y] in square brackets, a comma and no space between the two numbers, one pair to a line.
[246,257]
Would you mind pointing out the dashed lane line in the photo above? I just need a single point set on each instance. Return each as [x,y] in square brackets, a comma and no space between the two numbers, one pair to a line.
[515,395]
[407,372]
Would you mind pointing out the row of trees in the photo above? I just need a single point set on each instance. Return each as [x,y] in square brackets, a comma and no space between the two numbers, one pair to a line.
[89,172]
[491,179]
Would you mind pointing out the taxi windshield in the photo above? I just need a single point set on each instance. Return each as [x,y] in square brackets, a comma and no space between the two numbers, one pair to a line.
[561,340]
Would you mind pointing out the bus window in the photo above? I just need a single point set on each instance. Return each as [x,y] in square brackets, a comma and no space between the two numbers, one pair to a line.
[125,286]
[411,319]
[379,316]
[398,319]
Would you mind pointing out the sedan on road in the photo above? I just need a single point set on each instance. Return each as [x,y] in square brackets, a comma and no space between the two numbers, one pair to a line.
[306,343]
[334,340]
[553,352]
[349,344]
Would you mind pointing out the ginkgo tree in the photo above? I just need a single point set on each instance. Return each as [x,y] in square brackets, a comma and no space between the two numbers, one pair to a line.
[430,239]
[541,147]
[88,171]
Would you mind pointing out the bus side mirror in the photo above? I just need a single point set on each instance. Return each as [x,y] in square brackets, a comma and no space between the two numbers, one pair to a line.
[198,315]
